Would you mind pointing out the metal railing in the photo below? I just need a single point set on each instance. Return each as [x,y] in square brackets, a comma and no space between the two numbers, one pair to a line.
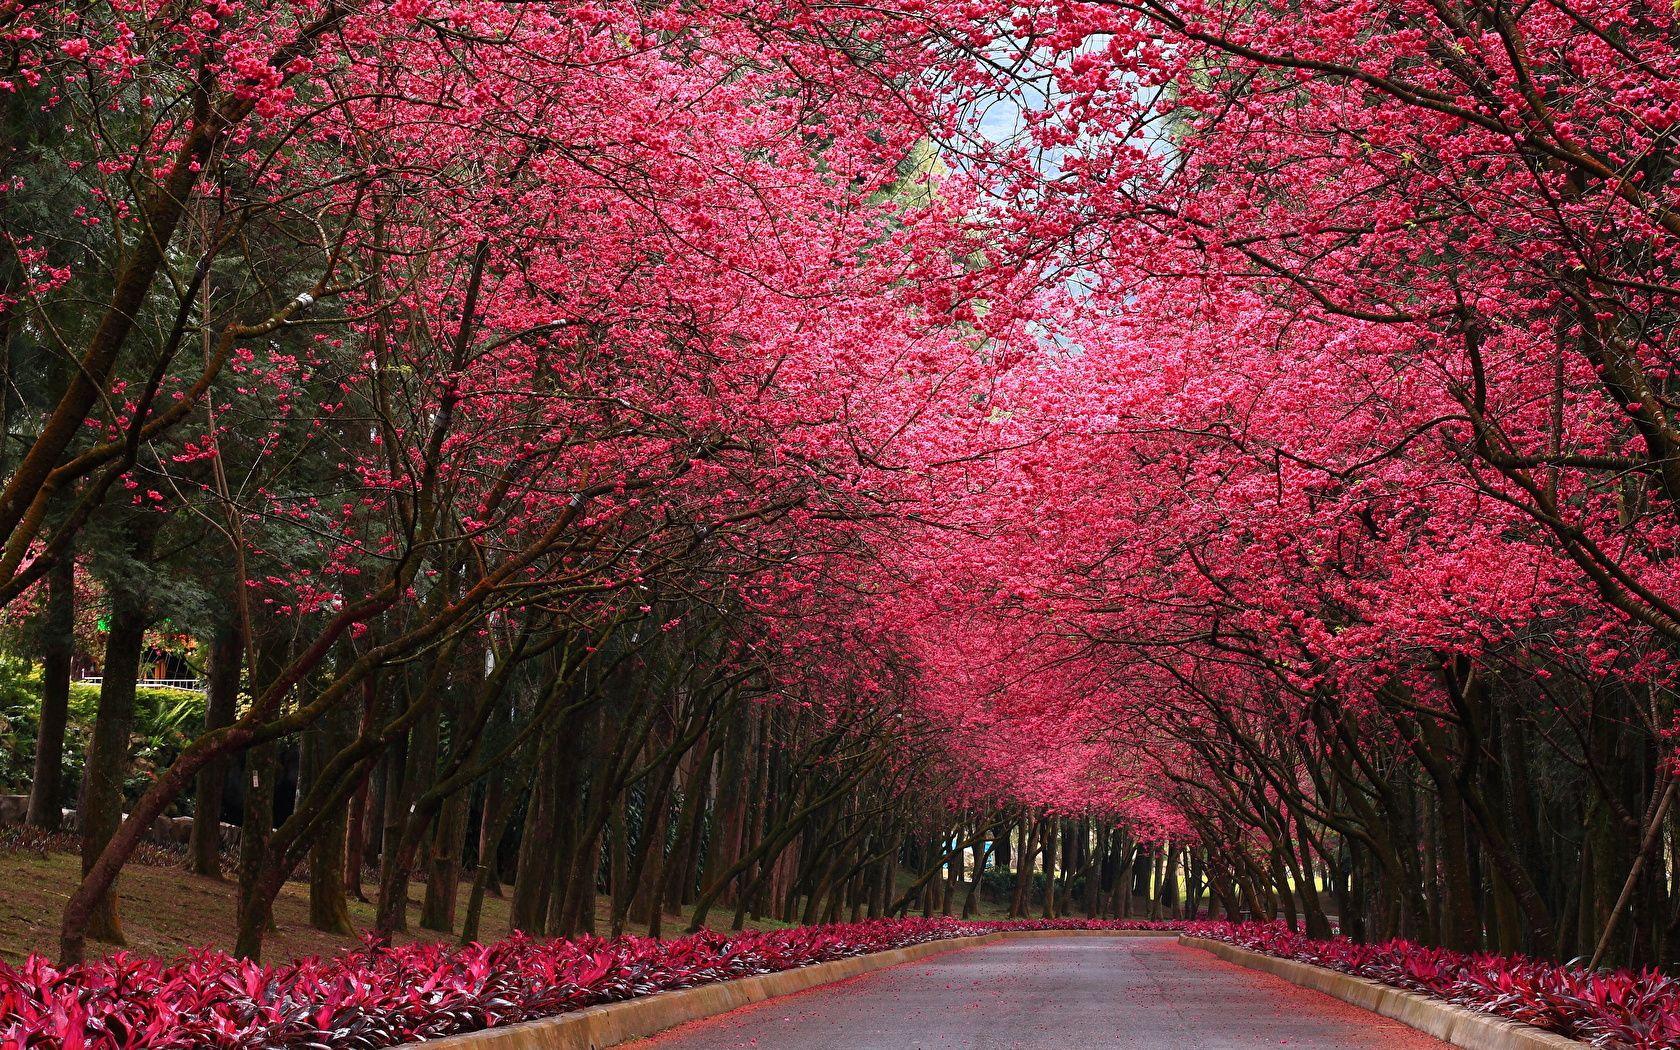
[190,685]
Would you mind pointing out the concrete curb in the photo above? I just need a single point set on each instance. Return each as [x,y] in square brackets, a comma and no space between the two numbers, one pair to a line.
[1444,1021]
[613,1023]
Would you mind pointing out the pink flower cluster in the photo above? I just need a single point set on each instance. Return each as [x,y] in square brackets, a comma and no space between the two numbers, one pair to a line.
[1637,1011]
[386,996]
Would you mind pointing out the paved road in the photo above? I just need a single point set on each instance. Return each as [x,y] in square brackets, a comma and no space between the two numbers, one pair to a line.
[1128,993]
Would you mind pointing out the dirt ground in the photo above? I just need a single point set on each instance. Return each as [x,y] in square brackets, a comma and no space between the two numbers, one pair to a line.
[165,911]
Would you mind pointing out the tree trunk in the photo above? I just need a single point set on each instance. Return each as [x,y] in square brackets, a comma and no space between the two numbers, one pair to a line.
[490,834]
[227,659]
[971,901]
[1093,874]
[106,765]
[395,810]
[443,865]
[423,744]
[1050,827]
[362,804]
[449,833]
[328,908]
[729,812]
[1023,869]
[262,767]
[534,871]
[58,649]
[680,873]
[498,814]
[647,905]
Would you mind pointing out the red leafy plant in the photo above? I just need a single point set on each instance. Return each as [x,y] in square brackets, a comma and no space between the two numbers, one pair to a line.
[1623,1009]
[385,996]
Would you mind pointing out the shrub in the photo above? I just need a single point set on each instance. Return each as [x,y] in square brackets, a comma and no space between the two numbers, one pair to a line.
[385,996]
[165,721]
[1639,1011]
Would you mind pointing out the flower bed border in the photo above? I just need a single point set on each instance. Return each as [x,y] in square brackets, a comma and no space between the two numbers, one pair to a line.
[1624,1009]
[1450,1023]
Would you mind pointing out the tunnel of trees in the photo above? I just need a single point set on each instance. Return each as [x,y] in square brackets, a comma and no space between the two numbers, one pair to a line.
[1117,458]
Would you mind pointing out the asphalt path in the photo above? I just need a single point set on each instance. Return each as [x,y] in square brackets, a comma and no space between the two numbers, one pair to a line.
[1078,993]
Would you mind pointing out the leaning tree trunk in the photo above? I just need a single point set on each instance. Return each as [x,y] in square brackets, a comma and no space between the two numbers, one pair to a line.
[618,864]
[423,745]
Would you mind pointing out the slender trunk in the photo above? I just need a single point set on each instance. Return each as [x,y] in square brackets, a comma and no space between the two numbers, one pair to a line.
[227,659]
[971,901]
[356,835]
[1278,886]
[1119,889]
[1050,827]
[647,864]
[1461,926]
[402,840]
[1169,882]
[58,648]
[930,890]
[328,793]
[953,879]
[580,787]
[490,834]
[1306,882]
